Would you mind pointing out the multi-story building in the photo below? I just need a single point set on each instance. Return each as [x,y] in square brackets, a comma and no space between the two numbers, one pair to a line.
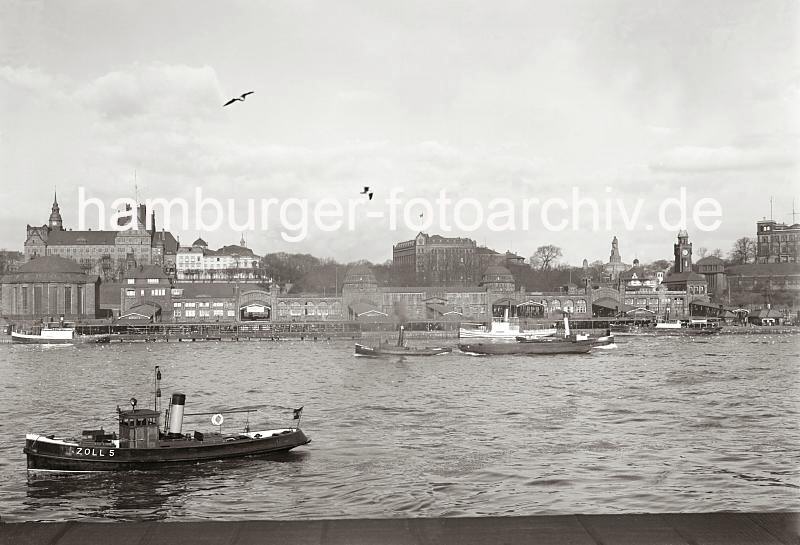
[146,294]
[230,263]
[434,260]
[107,254]
[777,242]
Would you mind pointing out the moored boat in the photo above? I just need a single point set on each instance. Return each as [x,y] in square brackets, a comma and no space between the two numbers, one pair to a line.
[57,333]
[141,445]
[687,327]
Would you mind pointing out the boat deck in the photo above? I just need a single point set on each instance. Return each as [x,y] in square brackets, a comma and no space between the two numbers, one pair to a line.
[775,528]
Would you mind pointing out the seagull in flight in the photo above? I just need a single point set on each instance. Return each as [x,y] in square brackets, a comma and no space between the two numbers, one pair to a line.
[239,98]
[367,192]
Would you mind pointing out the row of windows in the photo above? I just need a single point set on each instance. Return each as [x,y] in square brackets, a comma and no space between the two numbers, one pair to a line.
[161,292]
[309,309]
[203,304]
[190,313]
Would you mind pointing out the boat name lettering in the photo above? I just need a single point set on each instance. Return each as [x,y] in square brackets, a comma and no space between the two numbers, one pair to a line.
[94,451]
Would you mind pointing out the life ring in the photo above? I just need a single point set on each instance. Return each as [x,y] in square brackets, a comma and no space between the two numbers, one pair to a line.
[217,419]
[257,436]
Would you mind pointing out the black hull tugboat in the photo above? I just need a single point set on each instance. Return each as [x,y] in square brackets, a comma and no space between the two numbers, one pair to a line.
[141,445]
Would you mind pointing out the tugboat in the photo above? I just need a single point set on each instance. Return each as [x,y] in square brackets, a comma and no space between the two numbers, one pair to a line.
[400,350]
[57,333]
[141,445]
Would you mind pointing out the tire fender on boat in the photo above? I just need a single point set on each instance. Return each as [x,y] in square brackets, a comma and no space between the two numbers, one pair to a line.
[217,419]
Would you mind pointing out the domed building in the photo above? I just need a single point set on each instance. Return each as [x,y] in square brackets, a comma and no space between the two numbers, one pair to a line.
[497,279]
[49,287]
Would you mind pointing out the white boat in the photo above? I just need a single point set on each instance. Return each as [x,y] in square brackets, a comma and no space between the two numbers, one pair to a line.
[503,328]
[57,333]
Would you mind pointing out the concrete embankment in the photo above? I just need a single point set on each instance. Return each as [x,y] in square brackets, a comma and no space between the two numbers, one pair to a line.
[776,528]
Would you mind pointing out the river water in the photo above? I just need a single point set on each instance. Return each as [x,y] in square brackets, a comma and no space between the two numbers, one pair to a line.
[655,425]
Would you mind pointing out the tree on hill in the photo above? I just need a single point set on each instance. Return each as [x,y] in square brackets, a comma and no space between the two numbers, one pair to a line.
[743,251]
[545,257]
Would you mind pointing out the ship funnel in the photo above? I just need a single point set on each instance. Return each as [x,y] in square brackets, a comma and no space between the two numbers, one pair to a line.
[176,413]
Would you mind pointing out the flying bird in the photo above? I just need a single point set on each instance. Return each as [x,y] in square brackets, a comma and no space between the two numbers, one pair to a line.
[367,192]
[239,98]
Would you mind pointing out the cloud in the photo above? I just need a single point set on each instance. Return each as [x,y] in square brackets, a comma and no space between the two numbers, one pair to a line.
[696,159]
[174,91]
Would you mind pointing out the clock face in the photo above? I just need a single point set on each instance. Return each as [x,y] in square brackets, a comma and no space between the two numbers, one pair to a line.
[685,251]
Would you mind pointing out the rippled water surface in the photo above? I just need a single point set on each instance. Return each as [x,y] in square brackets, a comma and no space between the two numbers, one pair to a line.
[655,425]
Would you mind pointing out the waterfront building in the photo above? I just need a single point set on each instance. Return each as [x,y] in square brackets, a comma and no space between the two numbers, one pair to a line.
[48,287]
[195,302]
[198,263]
[362,298]
[682,277]
[777,242]
[145,295]
[107,254]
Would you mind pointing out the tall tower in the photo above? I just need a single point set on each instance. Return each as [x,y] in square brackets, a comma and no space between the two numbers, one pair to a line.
[242,242]
[55,223]
[683,252]
[615,257]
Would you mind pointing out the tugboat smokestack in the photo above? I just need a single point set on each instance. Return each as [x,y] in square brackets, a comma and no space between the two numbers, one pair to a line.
[176,413]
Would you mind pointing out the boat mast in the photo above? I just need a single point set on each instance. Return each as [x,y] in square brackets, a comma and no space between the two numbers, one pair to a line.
[157,389]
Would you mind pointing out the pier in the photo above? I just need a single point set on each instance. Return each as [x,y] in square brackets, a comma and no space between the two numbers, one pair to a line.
[772,528]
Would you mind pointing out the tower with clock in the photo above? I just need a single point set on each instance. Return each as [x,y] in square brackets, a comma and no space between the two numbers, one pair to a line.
[683,253]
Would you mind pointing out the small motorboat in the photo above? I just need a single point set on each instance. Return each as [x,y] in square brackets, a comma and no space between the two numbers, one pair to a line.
[400,349]
[141,445]
[57,333]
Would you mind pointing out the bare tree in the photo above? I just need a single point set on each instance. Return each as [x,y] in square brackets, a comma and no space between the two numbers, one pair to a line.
[702,252]
[716,253]
[743,251]
[545,257]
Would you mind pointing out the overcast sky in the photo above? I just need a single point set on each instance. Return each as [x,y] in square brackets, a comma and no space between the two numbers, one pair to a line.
[482,99]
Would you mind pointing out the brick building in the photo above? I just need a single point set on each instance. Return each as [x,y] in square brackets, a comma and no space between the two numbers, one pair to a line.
[777,242]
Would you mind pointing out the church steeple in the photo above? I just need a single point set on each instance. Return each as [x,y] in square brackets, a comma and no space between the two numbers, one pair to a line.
[242,242]
[55,223]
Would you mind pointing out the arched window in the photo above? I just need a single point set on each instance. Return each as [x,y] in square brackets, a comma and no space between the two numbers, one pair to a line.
[569,305]
[296,309]
[336,309]
[580,306]
[311,309]
[555,304]
[322,309]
